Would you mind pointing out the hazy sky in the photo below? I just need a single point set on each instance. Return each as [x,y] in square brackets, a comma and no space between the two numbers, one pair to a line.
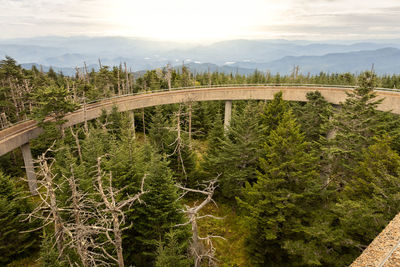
[188,20]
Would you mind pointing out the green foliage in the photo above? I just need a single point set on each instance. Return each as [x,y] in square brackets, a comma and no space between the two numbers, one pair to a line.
[172,253]
[313,189]
[273,113]
[355,124]
[276,206]
[314,116]
[215,140]
[234,158]
[13,243]
[156,217]
[204,116]
[159,131]
[371,198]
[52,101]
[49,256]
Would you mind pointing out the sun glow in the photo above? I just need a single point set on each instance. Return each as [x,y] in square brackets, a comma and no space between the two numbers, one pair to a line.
[191,21]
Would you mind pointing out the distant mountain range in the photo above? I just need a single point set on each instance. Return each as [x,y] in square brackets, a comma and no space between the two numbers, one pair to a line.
[235,56]
[384,61]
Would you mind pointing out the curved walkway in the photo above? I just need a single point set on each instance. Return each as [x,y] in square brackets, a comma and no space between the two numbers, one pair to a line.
[20,134]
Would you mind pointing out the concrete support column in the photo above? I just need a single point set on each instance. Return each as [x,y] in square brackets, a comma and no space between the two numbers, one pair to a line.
[228,114]
[30,170]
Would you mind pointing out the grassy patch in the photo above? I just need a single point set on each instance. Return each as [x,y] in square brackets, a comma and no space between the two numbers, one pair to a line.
[32,261]
[231,251]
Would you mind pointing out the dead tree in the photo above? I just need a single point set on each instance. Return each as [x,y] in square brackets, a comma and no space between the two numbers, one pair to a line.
[66,234]
[78,146]
[4,123]
[119,80]
[190,121]
[85,125]
[127,79]
[178,140]
[83,218]
[132,114]
[201,248]
[86,72]
[168,75]
[111,213]
[144,124]
[81,230]
[48,210]
[209,77]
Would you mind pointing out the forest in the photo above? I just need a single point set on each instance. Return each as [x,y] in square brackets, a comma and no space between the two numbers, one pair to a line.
[286,184]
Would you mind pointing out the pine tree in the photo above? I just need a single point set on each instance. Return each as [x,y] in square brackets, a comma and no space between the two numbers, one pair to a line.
[204,116]
[159,132]
[236,160]
[150,221]
[172,253]
[277,205]
[314,116]
[355,125]
[273,113]
[13,243]
[215,139]
[371,199]
[52,101]
[49,256]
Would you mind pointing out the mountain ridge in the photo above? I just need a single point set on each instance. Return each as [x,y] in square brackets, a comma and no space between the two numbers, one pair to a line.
[234,56]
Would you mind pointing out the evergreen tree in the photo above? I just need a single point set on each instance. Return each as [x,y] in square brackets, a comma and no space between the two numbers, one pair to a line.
[172,253]
[314,116]
[215,140]
[156,217]
[273,113]
[13,243]
[276,207]
[355,125]
[204,115]
[150,221]
[52,101]
[371,199]
[49,256]
[159,132]
[236,160]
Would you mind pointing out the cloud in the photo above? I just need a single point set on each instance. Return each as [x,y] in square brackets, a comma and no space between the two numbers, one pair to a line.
[320,19]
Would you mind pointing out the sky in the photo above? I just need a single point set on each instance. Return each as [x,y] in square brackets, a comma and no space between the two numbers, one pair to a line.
[203,20]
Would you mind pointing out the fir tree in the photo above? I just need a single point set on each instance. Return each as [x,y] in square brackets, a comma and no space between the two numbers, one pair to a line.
[237,157]
[276,206]
[157,217]
[215,141]
[314,116]
[52,101]
[355,125]
[172,253]
[150,221]
[273,113]
[159,132]
[13,243]
[371,199]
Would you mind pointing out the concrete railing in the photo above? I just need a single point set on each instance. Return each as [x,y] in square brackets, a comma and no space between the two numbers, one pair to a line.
[20,134]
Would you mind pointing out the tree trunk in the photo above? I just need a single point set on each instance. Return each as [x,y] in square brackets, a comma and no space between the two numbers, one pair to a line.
[127,79]
[144,124]
[78,146]
[190,122]
[53,207]
[118,240]
[133,124]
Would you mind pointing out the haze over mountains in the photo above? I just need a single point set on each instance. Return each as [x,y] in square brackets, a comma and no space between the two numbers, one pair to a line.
[242,56]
